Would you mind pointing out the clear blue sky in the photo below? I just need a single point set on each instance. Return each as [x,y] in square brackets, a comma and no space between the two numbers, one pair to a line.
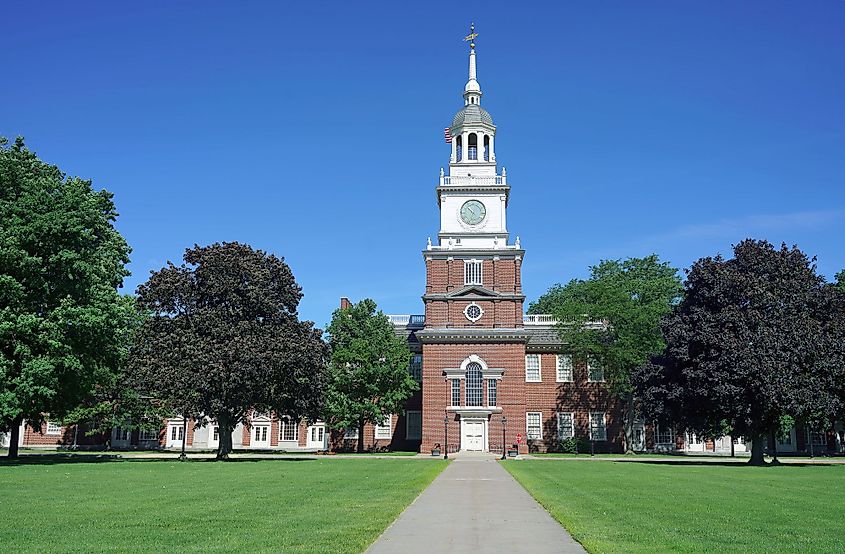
[315,130]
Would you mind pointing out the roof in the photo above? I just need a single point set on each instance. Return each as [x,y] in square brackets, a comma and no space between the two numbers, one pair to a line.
[472,113]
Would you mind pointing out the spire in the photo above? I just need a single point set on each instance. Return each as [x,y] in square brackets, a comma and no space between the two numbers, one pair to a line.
[472,90]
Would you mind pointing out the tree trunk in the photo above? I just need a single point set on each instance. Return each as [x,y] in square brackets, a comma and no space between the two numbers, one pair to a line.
[224,433]
[733,448]
[757,448]
[15,437]
[629,423]
[182,455]
[360,448]
[775,447]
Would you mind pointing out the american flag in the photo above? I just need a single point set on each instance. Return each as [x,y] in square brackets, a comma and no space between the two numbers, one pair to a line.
[447,134]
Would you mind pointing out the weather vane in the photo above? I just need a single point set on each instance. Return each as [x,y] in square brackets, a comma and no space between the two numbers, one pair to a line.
[471,36]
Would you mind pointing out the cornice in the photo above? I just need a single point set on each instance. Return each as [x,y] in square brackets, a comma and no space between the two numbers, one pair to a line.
[473,335]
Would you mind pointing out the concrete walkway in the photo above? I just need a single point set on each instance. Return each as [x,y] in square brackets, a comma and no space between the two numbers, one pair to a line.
[475,506]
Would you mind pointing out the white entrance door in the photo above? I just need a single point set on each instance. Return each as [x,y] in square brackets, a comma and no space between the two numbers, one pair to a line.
[260,436]
[213,436]
[638,442]
[473,438]
[175,432]
[316,437]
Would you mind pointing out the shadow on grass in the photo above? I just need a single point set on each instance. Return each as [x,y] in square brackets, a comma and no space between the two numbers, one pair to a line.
[739,463]
[57,459]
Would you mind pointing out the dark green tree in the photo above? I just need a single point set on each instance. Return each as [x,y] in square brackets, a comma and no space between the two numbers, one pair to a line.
[61,264]
[223,338]
[757,338]
[840,280]
[369,369]
[614,317]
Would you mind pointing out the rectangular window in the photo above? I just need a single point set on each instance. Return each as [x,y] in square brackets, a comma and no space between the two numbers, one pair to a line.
[456,392]
[664,434]
[216,434]
[598,426]
[351,433]
[492,390]
[288,430]
[565,425]
[149,434]
[816,438]
[413,425]
[472,272]
[415,368]
[54,428]
[383,430]
[595,372]
[564,368]
[532,368]
[533,427]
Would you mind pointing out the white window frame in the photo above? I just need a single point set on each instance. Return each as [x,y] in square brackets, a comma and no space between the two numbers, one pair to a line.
[528,425]
[351,433]
[492,390]
[285,423]
[603,427]
[539,378]
[571,426]
[558,369]
[657,435]
[415,368]
[149,434]
[384,430]
[53,428]
[452,390]
[812,434]
[592,364]
[416,436]
[473,272]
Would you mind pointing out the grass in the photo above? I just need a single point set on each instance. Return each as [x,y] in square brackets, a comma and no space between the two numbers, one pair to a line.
[333,505]
[653,507]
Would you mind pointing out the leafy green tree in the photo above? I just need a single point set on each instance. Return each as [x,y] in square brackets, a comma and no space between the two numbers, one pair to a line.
[840,280]
[756,338]
[223,338]
[627,298]
[369,369]
[61,264]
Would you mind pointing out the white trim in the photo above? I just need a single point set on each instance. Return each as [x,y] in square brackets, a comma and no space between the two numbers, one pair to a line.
[473,272]
[527,426]
[539,378]
[571,425]
[604,426]
[52,428]
[379,432]
[571,368]
[597,366]
[471,318]
[286,422]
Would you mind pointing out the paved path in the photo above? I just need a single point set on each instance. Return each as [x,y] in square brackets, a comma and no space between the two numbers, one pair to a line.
[475,506]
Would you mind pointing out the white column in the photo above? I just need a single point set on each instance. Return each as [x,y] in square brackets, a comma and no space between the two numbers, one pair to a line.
[454,149]
[492,150]
[465,143]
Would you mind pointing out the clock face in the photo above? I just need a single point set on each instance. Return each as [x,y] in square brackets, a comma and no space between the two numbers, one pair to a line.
[473,212]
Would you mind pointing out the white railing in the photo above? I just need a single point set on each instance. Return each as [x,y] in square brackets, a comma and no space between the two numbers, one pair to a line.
[539,319]
[473,180]
[407,319]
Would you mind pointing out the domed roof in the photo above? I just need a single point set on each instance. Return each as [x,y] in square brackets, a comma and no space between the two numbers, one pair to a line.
[472,113]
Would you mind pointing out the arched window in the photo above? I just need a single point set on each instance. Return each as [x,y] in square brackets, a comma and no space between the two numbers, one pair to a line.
[474,384]
[486,148]
[472,150]
[458,148]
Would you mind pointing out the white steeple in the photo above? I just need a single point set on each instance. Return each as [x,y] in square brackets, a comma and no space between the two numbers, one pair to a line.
[472,90]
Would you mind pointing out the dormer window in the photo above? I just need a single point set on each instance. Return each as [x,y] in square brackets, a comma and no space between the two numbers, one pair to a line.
[472,272]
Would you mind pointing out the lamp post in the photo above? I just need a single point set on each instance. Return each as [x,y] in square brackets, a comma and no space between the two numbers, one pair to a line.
[504,426]
[446,439]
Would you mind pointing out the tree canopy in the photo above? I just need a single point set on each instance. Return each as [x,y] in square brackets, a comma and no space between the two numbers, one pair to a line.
[61,264]
[757,338]
[223,338]
[614,317]
[840,280]
[369,368]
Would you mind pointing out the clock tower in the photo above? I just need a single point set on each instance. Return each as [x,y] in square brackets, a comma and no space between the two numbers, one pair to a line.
[473,341]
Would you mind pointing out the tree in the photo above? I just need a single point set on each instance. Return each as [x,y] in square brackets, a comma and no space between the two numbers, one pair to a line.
[756,338]
[369,369]
[61,264]
[223,338]
[628,298]
[840,280]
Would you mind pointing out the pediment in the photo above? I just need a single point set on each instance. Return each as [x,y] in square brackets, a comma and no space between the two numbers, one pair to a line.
[474,291]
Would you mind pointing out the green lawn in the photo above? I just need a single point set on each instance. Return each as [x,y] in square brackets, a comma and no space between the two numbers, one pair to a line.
[331,505]
[642,507]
